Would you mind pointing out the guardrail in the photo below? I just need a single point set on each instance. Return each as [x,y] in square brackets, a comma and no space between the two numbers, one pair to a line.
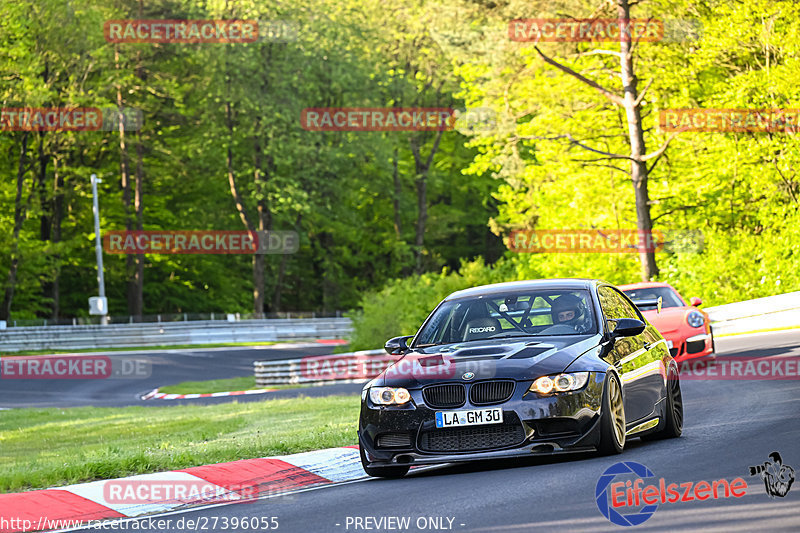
[780,311]
[162,317]
[171,333]
[354,367]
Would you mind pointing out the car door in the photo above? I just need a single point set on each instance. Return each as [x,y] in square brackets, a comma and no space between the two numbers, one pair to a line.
[642,381]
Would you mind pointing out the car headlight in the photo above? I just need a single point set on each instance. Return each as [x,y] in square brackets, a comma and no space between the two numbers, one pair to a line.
[389,396]
[559,383]
[695,319]
[365,390]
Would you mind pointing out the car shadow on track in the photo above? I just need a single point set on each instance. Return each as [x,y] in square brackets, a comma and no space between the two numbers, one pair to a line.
[523,462]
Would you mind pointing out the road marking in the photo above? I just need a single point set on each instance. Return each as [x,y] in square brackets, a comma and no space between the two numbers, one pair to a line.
[156,395]
[756,332]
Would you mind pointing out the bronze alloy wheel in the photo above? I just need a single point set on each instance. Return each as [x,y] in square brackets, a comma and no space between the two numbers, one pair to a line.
[612,422]
[617,411]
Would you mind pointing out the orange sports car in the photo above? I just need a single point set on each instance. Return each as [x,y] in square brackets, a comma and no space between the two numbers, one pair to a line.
[686,328]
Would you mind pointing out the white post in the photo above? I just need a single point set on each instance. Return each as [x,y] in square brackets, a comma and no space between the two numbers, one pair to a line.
[98,247]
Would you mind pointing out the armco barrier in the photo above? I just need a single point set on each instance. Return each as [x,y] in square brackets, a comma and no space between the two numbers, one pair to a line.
[352,367]
[780,311]
[171,333]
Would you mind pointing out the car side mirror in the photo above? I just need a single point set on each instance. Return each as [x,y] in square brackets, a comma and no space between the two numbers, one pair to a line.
[627,327]
[397,344]
[695,301]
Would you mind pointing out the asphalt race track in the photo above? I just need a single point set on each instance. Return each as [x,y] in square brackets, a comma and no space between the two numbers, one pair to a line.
[164,368]
[730,425]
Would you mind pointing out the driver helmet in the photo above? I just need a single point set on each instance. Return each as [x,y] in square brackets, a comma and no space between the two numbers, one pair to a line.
[567,310]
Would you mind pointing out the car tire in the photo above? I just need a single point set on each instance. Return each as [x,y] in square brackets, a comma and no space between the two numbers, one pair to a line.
[612,419]
[382,471]
[673,411]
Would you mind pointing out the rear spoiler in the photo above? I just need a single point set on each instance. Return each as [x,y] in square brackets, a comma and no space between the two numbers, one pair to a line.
[647,305]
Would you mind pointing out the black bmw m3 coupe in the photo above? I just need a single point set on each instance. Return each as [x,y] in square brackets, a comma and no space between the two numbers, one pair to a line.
[519,369]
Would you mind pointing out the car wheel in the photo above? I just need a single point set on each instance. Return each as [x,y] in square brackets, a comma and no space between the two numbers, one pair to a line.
[382,471]
[612,421]
[673,413]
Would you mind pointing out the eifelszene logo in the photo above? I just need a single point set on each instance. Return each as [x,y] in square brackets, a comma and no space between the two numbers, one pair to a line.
[778,477]
[607,505]
[629,493]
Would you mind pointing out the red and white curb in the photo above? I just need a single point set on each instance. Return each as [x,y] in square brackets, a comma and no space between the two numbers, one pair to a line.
[43,509]
[336,342]
[155,395]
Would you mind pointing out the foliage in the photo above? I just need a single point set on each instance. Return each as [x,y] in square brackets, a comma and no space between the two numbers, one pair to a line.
[337,189]
[400,307]
[331,187]
[740,190]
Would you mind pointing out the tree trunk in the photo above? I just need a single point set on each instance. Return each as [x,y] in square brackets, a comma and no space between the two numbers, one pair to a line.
[422,218]
[137,288]
[647,256]
[421,183]
[276,299]
[19,218]
[398,191]
[260,178]
[631,102]
[58,215]
[137,309]
[125,185]
[46,217]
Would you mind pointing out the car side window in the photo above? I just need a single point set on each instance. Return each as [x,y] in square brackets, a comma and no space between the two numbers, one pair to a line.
[615,306]
[632,311]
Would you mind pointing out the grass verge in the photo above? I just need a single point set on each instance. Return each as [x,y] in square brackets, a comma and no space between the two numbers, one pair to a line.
[52,447]
[218,385]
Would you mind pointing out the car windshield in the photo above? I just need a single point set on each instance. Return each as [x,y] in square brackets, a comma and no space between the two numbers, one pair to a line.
[669,298]
[508,315]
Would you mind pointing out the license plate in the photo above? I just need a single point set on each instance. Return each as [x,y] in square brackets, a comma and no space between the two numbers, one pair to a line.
[669,344]
[471,417]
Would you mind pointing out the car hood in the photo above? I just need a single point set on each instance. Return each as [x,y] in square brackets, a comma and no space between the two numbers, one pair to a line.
[524,359]
[670,319]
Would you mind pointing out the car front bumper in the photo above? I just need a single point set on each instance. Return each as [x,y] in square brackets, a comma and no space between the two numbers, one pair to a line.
[693,347]
[539,425]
